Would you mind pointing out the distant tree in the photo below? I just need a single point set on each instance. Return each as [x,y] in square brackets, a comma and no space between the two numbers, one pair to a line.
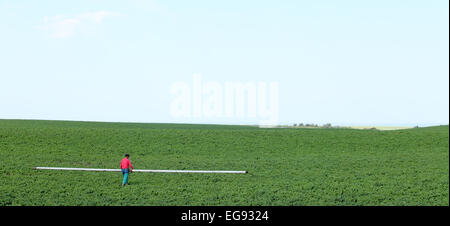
[300,124]
[295,124]
[327,125]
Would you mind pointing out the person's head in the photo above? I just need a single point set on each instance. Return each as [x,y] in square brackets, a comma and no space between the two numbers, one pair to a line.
[127,155]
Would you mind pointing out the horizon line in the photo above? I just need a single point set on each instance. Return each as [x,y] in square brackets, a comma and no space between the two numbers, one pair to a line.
[242,124]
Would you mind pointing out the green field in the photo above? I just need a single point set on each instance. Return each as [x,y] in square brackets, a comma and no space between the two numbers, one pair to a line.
[286,166]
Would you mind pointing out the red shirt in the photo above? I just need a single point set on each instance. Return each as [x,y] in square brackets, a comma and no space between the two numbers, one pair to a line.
[125,163]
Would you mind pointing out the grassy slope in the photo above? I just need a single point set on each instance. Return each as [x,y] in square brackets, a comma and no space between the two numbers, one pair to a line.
[286,166]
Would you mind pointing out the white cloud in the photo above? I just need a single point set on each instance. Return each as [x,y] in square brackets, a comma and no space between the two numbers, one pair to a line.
[63,26]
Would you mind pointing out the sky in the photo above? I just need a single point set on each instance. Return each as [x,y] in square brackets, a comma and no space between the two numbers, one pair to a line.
[346,62]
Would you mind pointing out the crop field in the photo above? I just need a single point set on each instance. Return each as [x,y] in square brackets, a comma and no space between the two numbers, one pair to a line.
[286,166]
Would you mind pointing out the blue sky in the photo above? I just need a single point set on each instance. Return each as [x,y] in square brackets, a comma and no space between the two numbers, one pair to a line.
[343,62]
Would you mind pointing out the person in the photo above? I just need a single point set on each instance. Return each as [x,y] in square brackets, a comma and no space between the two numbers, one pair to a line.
[126,167]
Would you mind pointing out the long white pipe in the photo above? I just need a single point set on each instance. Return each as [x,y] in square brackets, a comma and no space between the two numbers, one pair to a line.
[143,170]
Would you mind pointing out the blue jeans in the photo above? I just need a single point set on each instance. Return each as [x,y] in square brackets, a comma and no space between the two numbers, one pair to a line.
[125,176]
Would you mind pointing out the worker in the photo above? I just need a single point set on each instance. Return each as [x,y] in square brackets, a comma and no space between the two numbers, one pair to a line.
[126,167]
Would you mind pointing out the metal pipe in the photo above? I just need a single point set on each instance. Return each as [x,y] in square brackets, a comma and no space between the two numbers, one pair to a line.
[143,170]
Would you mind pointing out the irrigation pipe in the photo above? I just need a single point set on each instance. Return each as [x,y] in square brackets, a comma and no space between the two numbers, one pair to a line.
[141,170]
